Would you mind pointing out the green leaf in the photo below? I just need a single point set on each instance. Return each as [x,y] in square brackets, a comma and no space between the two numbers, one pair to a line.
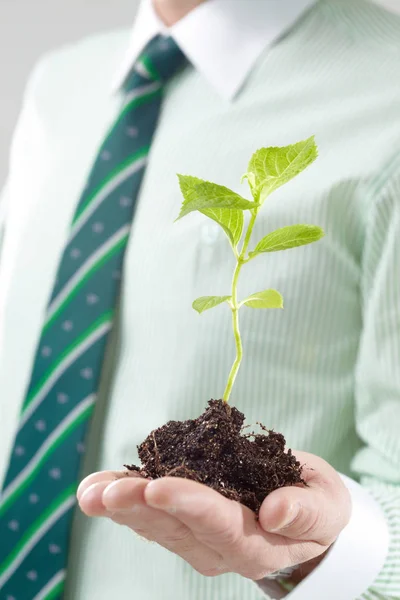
[206,302]
[187,183]
[265,299]
[201,195]
[270,168]
[231,221]
[288,237]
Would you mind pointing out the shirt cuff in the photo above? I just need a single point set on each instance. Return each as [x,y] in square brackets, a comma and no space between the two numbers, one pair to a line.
[357,556]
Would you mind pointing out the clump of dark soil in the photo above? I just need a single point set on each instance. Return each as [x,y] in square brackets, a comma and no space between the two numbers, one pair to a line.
[213,450]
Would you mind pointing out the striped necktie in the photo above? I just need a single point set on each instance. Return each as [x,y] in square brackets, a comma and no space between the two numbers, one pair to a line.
[38,493]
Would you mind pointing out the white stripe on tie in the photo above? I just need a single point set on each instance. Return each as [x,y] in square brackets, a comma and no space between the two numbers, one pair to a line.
[141,91]
[54,581]
[36,537]
[104,193]
[62,367]
[141,68]
[35,460]
[85,268]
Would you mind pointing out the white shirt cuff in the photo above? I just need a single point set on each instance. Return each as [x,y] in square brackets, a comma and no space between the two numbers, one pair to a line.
[357,556]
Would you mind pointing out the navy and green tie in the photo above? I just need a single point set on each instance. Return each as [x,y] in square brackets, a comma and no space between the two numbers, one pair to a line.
[38,493]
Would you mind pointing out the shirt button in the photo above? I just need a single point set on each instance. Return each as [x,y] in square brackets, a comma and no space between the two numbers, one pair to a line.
[210,233]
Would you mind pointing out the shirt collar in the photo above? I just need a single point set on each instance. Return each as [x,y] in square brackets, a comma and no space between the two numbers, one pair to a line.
[221,38]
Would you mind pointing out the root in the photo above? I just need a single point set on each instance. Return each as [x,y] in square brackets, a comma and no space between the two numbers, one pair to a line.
[184,469]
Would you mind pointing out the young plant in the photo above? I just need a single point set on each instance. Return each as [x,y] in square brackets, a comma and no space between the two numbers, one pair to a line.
[269,169]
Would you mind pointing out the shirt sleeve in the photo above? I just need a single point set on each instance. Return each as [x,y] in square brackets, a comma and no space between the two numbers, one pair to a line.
[377,464]
[364,562]
[367,553]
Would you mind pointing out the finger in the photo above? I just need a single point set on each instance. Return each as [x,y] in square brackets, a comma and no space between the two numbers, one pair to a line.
[125,501]
[208,514]
[125,494]
[90,500]
[102,476]
[316,472]
[224,526]
[305,514]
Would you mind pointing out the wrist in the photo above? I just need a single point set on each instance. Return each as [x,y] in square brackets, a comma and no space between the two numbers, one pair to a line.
[279,584]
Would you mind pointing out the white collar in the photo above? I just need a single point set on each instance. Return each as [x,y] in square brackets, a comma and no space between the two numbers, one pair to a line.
[221,38]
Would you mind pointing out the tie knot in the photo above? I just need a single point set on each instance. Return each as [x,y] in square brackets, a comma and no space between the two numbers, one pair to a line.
[158,62]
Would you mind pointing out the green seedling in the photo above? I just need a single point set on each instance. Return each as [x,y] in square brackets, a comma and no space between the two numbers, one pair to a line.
[269,169]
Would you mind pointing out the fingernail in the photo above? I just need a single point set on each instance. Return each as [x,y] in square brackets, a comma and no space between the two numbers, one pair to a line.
[79,490]
[289,518]
[82,488]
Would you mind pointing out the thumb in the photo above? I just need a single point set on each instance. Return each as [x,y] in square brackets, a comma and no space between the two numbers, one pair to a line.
[304,514]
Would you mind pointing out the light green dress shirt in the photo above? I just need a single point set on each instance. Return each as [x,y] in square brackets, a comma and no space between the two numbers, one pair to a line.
[326,370]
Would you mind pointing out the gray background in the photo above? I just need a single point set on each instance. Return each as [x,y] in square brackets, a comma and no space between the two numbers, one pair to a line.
[30,27]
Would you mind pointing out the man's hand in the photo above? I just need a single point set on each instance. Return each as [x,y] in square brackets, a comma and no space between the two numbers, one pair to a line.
[215,535]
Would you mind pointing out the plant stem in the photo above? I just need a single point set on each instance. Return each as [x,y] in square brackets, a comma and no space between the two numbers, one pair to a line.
[249,232]
[236,332]
[235,309]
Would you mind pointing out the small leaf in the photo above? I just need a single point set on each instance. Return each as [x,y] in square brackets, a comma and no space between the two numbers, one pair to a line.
[265,299]
[201,195]
[206,302]
[275,166]
[187,183]
[251,178]
[231,221]
[288,237]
